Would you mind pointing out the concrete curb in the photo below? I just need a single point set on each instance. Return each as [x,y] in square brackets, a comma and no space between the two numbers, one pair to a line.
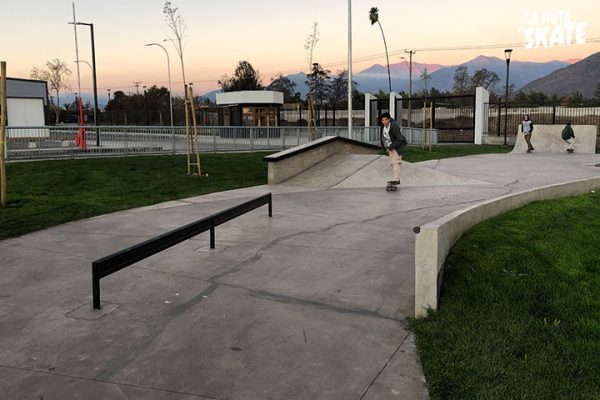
[434,240]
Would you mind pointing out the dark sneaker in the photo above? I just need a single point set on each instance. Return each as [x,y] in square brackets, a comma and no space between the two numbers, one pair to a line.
[528,151]
[394,182]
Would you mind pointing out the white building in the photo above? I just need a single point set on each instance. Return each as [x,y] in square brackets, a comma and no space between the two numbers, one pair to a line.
[26,102]
[249,108]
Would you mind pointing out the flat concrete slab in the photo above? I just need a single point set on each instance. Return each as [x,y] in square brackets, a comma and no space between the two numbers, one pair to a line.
[309,304]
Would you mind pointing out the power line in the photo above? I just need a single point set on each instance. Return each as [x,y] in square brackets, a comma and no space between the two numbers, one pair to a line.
[381,55]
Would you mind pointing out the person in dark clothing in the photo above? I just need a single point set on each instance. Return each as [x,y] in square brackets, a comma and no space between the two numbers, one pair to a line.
[527,129]
[569,136]
[393,142]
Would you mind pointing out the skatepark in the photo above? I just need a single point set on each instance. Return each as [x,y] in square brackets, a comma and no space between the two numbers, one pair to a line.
[310,303]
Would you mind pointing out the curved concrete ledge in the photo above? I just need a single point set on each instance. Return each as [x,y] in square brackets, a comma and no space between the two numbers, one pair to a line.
[434,240]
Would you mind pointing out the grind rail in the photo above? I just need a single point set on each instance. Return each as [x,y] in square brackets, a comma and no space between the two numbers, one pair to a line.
[126,257]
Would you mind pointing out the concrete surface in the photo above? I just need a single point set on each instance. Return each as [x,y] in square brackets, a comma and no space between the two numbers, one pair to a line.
[291,162]
[309,304]
[547,139]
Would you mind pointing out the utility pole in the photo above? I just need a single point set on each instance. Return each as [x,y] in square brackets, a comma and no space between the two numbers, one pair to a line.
[137,87]
[349,69]
[410,54]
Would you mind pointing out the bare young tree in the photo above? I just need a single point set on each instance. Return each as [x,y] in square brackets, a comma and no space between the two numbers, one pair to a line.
[426,77]
[310,43]
[56,74]
[175,22]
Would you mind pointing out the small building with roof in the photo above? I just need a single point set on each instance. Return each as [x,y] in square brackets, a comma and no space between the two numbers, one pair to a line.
[26,102]
[249,108]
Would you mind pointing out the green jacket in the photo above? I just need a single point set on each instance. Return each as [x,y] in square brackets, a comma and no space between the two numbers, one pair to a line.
[567,132]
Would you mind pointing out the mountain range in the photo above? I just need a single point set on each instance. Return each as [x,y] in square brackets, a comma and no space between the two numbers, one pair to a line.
[561,77]
[583,77]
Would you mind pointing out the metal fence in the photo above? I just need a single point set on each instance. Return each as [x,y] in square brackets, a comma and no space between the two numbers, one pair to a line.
[55,142]
[501,117]
[452,116]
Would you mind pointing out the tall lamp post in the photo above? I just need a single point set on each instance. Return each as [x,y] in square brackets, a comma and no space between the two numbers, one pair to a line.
[507,54]
[92,69]
[169,73]
[94,78]
[349,69]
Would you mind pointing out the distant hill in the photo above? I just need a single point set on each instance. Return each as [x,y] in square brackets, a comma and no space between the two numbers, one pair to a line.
[583,77]
[374,78]
[521,72]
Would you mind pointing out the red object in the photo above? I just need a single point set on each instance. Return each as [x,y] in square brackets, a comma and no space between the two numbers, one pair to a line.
[80,138]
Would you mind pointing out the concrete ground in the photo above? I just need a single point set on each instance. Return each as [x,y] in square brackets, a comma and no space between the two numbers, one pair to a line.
[309,304]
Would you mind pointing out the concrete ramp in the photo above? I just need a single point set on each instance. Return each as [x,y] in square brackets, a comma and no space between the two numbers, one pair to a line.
[366,171]
[547,139]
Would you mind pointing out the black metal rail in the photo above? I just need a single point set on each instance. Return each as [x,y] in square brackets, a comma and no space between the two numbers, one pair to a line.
[124,258]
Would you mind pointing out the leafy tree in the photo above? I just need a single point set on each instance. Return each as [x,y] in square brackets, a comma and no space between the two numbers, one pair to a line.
[245,77]
[338,90]
[461,80]
[56,74]
[318,83]
[141,108]
[484,78]
[576,98]
[283,84]
[435,93]
[531,97]
[425,77]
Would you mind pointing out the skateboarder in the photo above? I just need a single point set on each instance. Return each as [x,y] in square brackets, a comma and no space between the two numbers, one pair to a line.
[527,129]
[568,136]
[392,142]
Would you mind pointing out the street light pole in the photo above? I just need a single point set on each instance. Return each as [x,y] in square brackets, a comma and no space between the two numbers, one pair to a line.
[94,78]
[507,54]
[92,69]
[169,73]
[410,54]
[349,69]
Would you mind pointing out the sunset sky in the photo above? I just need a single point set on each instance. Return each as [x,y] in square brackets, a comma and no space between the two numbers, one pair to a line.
[270,34]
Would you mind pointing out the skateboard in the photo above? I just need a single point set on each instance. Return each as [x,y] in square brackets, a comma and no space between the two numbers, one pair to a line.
[391,187]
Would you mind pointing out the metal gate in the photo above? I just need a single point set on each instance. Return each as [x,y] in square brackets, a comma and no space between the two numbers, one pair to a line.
[378,107]
[453,116]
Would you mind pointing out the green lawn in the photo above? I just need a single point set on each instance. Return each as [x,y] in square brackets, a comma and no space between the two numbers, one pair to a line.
[47,193]
[519,316]
[415,153]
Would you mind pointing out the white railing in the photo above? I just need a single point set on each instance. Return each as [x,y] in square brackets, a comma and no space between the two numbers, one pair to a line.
[47,142]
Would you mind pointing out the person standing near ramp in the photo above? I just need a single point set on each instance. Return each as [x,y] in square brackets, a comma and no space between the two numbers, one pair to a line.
[393,142]
[527,129]
[569,136]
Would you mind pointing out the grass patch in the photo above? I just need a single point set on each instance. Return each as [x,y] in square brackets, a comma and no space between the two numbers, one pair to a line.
[47,193]
[416,154]
[519,316]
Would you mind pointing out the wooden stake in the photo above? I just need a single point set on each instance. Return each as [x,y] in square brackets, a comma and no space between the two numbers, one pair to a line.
[187,131]
[430,124]
[423,127]
[195,144]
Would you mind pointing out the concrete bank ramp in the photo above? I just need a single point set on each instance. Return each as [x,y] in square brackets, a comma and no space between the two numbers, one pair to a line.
[547,139]
[365,171]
